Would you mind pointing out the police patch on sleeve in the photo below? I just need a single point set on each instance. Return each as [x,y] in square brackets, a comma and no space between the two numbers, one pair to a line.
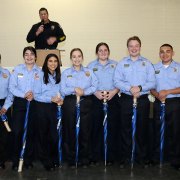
[87,73]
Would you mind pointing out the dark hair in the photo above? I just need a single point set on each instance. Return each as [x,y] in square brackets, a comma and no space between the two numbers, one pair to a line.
[43,9]
[168,45]
[134,38]
[30,48]
[0,58]
[102,44]
[76,49]
[46,71]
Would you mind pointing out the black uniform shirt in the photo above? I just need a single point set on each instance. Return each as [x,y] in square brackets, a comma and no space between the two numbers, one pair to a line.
[51,29]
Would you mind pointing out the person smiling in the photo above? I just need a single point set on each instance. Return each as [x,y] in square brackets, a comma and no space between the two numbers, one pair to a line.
[135,77]
[104,68]
[22,81]
[167,90]
[47,96]
[77,81]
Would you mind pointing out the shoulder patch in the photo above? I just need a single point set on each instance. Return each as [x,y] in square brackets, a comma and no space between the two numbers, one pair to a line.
[87,73]
[4,75]
[157,71]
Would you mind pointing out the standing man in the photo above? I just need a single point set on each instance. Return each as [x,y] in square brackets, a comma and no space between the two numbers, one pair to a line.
[167,90]
[134,76]
[46,34]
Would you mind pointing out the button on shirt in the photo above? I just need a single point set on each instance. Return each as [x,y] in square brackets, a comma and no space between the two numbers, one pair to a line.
[167,78]
[4,91]
[22,80]
[84,79]
[130,73]
[44,92]
[104,74]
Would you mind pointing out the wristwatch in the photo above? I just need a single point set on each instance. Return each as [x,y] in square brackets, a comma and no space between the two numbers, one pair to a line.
[140,88]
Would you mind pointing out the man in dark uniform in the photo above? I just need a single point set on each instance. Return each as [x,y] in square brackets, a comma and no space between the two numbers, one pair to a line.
[46,34]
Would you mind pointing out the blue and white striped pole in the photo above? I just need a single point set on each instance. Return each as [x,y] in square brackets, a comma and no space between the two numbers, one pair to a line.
[59,128]
[105,106]
[134,117]
[162,121]
[21,159]
[4,120]
[77,128]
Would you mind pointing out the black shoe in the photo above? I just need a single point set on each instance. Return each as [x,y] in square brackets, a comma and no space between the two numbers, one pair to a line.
[28,165]
[14,167]
[176,166]
[72,165]
[94,163]
[123,164]
[109,163]
[2,166]
[49,167]
[144,164]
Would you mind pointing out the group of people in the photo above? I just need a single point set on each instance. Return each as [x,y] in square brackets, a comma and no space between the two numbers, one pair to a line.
[103,80]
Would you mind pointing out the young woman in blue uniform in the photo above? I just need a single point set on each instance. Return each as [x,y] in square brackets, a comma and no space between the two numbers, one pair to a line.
[47,96]
[104,68]
[22,81]
[77,81]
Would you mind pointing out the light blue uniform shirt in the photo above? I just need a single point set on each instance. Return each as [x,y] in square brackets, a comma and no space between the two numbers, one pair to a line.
[167,78]
[84,79]
[4,91]
[104,74]
[133,73]
[44,92]
[22,80]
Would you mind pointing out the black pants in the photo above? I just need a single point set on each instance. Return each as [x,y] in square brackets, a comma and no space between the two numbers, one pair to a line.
[142,122]
[69,127]
[18,116]
[172,130]
[97,137]
[47,137]
[4,136]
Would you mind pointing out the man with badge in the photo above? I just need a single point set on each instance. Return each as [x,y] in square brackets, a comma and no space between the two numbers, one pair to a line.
[167,90]
[134,76]
[46,34]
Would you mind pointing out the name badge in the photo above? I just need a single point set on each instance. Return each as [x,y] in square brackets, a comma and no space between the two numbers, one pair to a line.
[126,65]
[20,75]
[95,69]
[69,76]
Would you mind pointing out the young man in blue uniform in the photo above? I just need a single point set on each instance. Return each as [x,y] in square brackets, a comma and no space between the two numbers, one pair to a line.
[167,90]
[134,76]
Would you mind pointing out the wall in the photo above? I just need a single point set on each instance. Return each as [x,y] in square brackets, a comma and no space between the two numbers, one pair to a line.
[88,22]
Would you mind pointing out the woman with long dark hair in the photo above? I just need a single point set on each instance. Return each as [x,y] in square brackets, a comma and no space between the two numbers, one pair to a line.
[47,96]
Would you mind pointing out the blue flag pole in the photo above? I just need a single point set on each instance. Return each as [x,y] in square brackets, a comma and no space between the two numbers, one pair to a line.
[21,159]
[4,120]
[162,120]
[105,106]
[77,128]
[59,128]
[134,117]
